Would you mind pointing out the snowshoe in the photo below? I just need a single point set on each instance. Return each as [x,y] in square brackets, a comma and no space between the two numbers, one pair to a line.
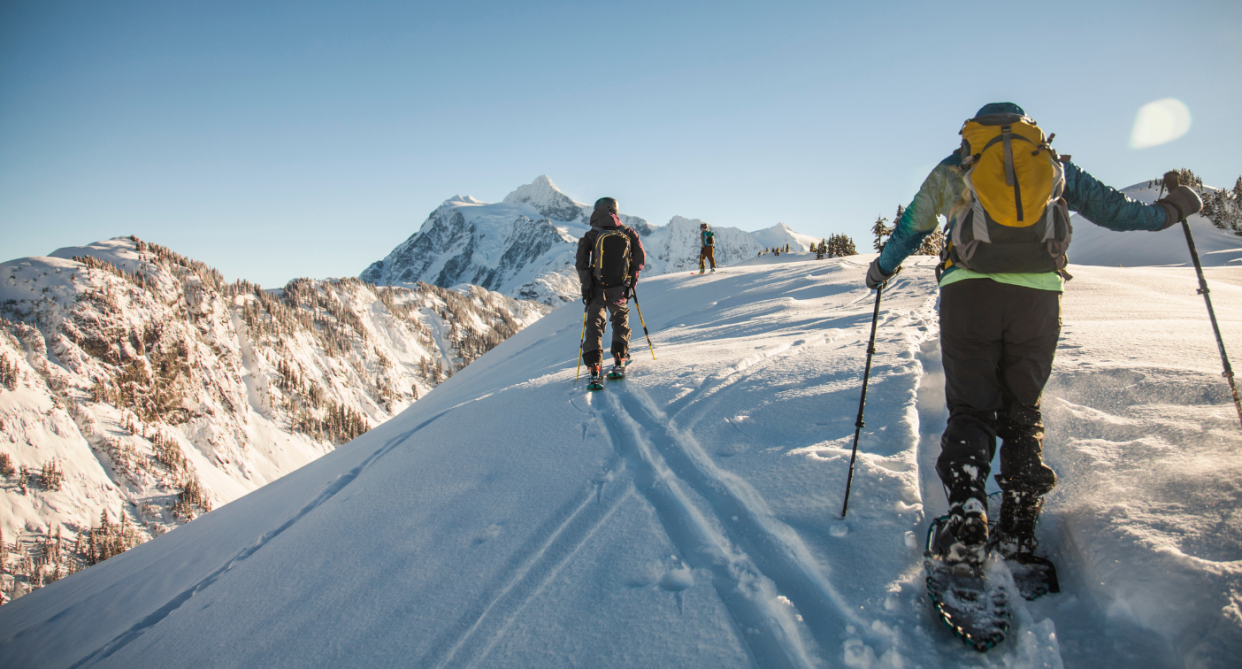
[1013,538]
[970,603]
[618,369]
[1033,575]
[596,381]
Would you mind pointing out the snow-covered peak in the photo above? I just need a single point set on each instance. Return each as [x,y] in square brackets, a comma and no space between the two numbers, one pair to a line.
[781,234]
[547,199]
[461,200]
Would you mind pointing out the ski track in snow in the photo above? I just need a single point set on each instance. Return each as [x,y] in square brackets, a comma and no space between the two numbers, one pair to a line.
[775,549]
[175,603]
[468,641]
[771,635]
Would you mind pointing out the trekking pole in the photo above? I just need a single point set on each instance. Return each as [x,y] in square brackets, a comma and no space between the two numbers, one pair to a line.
[862,402]
[640,320]
[1170,182]
[579,371]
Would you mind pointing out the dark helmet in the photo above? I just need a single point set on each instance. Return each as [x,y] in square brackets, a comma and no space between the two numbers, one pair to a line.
[607,205]
[702,226]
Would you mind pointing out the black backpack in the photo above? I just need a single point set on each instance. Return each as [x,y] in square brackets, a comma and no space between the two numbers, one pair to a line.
[611,266]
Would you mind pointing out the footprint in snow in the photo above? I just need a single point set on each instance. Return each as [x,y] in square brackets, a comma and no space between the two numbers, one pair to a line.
[677,579]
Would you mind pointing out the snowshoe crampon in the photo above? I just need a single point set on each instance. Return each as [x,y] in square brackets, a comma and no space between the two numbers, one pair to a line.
[596,381]
[974,607]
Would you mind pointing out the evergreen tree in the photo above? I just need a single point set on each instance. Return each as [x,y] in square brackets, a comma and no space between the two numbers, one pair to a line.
[931,244]
[881,232]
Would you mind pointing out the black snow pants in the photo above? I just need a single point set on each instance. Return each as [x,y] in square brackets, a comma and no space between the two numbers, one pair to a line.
[616,301]
[997,342]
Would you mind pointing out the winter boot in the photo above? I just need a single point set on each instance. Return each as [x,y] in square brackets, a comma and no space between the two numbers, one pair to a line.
[963,538]
[1015,533]
[596,382]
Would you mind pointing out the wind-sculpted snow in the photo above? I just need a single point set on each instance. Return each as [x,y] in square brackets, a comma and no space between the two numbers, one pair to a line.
[689,515]
[524,245]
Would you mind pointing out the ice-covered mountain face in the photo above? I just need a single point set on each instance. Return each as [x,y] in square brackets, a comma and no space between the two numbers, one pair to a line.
[1094,245]
[690,515]
[140,387]
[524,246]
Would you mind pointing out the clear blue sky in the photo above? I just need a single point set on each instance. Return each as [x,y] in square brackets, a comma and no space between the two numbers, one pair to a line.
[282,139]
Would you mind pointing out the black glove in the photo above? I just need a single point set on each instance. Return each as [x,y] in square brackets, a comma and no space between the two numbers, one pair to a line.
[1180,203]
[586,294]
[876,277]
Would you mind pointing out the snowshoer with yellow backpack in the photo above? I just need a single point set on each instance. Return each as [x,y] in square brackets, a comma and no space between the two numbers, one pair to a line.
[1007,196]
[610,255]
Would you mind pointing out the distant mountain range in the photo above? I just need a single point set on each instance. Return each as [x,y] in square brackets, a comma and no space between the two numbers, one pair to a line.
[137,384]
[524,245]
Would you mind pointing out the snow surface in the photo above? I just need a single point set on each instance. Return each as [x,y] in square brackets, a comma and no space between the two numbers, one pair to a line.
[689,515]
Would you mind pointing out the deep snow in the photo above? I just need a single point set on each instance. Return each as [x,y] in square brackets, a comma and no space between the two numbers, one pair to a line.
[689,515]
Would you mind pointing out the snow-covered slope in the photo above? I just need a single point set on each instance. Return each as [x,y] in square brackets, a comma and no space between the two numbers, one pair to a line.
[145,388]
[1094,245]
[524,245]
[689,515]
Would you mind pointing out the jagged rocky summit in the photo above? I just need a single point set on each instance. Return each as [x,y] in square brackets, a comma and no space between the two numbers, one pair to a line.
[138,389]
[523,246]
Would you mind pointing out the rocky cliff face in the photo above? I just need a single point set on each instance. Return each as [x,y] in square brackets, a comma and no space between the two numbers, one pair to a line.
[524,245]
[138,390]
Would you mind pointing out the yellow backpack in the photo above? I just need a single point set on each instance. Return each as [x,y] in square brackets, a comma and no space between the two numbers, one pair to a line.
[1015,219]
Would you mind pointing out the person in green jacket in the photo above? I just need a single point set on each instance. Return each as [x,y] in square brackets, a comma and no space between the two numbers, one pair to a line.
[707,246]
[999,329]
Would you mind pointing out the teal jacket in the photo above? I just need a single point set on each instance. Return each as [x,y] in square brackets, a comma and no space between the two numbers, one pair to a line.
[944,189]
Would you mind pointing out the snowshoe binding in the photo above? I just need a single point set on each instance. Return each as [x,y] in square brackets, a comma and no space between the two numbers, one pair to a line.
[618,369]
[596,381]
[970,603]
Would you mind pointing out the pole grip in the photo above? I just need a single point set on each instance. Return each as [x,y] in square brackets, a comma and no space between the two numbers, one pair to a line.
[1171,181]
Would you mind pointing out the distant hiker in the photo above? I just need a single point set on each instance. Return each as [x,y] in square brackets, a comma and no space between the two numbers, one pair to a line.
[1007,196]
[707,246]
[610,255]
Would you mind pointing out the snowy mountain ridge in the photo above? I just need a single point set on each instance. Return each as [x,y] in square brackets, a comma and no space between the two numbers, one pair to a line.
[524,246]
[689,516]
[138,384]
